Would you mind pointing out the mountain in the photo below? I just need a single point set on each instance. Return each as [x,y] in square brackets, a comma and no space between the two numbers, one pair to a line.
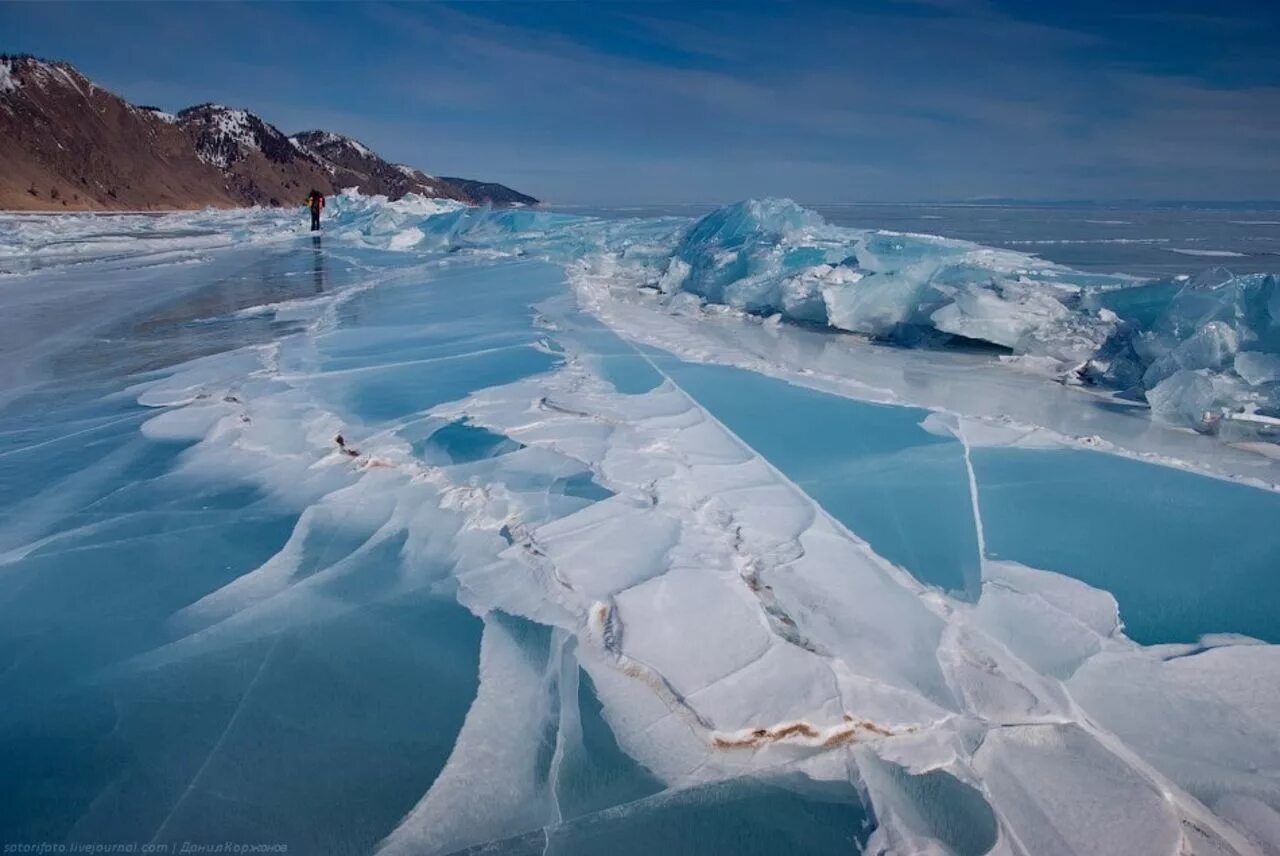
[257,163]
[69,144]
[350,163]
[498,194]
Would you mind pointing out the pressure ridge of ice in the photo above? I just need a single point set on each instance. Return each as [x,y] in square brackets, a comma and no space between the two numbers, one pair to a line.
[1180,347]
[663,616]
[1203,351]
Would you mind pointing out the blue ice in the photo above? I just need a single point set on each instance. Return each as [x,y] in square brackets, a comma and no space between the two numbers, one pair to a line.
[320,705]
[872,467]
[1184,555]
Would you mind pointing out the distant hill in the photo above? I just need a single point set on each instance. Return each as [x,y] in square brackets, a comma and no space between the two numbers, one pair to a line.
[68,144]
[497,193]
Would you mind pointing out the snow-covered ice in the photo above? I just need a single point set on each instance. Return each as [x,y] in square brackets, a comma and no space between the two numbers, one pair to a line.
[469,530]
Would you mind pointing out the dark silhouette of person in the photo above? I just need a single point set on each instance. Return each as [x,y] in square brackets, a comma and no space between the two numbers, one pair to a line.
[315,201]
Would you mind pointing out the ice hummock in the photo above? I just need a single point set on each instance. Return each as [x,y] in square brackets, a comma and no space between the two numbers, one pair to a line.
[563,587]
[771,256]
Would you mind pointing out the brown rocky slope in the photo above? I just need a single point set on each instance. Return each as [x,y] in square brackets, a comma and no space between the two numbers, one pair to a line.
[68,144]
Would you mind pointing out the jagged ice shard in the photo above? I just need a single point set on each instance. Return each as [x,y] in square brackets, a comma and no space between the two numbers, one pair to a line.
[508,531]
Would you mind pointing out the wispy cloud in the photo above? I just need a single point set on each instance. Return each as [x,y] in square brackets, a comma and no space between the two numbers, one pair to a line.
[645,101]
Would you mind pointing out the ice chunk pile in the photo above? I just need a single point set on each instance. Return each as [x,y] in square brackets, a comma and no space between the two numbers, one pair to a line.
[1176,343]
[1204,352]
[767,256]
[424,224]
[1206,349]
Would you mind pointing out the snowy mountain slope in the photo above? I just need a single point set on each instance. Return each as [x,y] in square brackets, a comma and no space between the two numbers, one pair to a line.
[72,145]
[259,164]
[225,135]
[353,164]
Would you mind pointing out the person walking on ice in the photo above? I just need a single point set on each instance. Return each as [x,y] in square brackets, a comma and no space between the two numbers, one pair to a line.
[315,201]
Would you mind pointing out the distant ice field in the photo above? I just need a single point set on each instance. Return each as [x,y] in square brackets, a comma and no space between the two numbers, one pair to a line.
[461,530]
[1142,240]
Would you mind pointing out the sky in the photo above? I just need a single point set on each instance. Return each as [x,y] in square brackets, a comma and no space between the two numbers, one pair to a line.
[660,102]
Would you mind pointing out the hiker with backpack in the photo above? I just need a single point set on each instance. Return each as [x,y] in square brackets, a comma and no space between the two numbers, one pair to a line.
[315,201]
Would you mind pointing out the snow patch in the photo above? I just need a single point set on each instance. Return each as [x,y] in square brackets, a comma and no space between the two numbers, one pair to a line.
[225,132]
[167,118]
[8,82]
[1207,253]
[413,173]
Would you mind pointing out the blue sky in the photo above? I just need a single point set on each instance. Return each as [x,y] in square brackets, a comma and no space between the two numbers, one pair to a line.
[638,102]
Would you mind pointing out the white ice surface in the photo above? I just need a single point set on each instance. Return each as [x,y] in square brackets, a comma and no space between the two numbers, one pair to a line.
[1207,253]
[1063,793]
[7,81]
[489,788]
[784,655]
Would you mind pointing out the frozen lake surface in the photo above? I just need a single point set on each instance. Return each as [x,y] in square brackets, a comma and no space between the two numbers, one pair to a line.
[462,531]
[1149,240]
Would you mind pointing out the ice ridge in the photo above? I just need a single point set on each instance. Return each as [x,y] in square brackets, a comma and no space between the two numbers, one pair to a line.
[1203,352]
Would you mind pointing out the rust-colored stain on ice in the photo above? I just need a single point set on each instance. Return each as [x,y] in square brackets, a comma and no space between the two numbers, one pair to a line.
[804,734]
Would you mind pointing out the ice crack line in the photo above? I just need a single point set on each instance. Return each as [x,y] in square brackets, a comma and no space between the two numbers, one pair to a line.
[222,738]
[979,531]
[607,628]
